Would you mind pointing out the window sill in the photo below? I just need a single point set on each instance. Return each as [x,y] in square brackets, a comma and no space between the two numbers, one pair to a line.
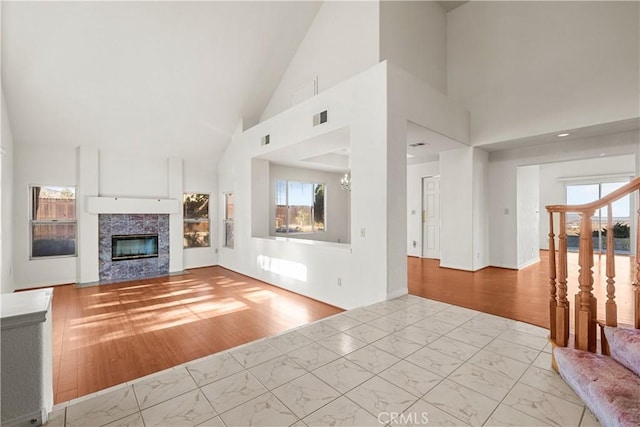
[346,247]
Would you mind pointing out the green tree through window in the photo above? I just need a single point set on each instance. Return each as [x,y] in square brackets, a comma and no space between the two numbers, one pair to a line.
[196,220]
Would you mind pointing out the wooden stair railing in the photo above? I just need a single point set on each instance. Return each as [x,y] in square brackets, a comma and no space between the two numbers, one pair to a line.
[585,302]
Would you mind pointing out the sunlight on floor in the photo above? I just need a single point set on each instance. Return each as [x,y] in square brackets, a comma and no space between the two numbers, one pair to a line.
[117,332]
[283,267]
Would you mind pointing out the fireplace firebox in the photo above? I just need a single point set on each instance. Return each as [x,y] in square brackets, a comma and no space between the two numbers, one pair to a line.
[134,246]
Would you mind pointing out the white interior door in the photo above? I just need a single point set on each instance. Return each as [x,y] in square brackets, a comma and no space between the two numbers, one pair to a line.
[431,217]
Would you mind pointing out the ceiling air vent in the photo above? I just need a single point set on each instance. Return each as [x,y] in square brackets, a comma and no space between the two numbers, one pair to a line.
[320,118]
[265,140]
[417,144]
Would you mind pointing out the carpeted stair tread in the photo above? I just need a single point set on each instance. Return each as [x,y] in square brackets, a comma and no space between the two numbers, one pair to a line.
[625,346]
[610,390]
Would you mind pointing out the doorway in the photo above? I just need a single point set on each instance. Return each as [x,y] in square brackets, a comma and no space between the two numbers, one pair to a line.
[431,217]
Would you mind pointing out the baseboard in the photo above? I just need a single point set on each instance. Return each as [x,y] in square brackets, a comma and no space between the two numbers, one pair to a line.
[528,263]
[87,284]
[454,267]
[398,293]
[35,418]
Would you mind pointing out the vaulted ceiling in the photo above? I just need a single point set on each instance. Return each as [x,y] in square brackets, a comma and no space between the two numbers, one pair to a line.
[163,78]
[171,78]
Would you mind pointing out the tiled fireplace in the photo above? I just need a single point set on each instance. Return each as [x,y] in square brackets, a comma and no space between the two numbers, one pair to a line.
[133,228]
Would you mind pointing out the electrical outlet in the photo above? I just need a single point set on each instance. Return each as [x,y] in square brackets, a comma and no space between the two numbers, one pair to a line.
[414,243]
[339,281]
[216,250]
[362,232]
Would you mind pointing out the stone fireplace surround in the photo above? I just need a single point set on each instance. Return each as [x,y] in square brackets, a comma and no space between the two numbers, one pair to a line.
[125,224]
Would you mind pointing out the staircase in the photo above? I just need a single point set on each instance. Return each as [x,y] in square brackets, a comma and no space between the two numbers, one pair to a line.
[604,372]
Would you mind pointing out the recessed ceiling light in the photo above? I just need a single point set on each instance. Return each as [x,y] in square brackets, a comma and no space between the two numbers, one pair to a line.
[562,135]
[410,156]
[602,154]
[417,144]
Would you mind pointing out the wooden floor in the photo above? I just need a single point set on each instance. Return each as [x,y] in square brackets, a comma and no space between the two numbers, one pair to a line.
[110,334]
[518,294]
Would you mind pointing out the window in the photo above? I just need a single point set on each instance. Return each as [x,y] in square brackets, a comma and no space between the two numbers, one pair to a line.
[577,194]
[299,207]
[196,220]
[53,221]
[228,220]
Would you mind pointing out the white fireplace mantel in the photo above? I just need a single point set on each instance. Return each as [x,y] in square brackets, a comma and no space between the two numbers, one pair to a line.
[129,205]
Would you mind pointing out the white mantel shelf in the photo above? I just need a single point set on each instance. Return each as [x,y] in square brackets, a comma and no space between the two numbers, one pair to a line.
[128,205]
[25,308]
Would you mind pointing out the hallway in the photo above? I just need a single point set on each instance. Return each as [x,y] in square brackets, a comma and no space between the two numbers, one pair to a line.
[518,294]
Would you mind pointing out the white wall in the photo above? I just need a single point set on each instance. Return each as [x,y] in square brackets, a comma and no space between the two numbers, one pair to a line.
[502,182]
[115,174]
[336,207]
[463,204]
[39,165]
[456,192]
[410,99]
[132,174]
[480,207]
[413,36]
[307,267]
[552,190]
[529,68]
[87,240]
[415,173]
[342,41]
[528,214]
[6,203]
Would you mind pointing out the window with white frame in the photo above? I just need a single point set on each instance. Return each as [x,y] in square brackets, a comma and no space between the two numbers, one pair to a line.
[299,207]
[228,220]
[53,221]
[196,220]
[586,192]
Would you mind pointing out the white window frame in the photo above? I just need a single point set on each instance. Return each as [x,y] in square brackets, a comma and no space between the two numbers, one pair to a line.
[33,222]
[605,179]
[226,221]
[197,220]
[275,206]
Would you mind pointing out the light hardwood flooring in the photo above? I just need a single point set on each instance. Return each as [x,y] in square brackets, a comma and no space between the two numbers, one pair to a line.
[111,334]
[518,294]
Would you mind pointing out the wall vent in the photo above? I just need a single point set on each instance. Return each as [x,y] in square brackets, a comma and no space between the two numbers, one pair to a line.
[320,118]
[265,140]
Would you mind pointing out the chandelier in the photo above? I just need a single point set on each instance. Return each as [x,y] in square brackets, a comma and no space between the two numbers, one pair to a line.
[345,182]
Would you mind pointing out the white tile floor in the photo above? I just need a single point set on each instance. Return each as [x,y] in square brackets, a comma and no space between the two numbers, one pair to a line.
[420,361]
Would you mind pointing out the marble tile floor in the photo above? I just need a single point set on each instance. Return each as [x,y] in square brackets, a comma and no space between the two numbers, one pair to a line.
[406,361]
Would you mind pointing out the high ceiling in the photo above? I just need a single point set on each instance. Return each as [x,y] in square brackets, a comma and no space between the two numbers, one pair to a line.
[449,5]
[170,78]
[167,78]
